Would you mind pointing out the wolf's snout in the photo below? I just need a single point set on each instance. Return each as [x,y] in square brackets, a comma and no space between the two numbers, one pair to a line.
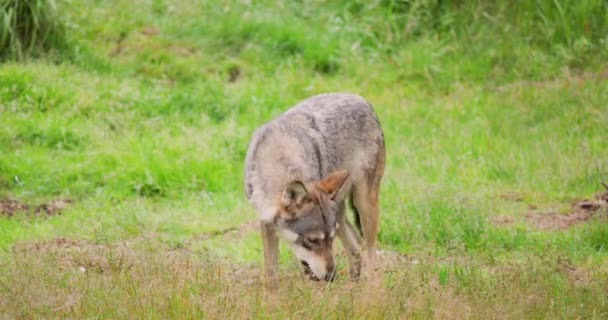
[307,270]
[329,276]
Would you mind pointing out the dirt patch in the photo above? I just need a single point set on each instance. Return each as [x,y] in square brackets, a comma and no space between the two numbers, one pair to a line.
[502,220]
[146,40]
[244,229]
[78,255]
[557,221]
[234,73]
[581,211]
[54,245]
[87,256]
[388,261]
[232,233]
[83,256]
[391,260]
[512,196]
[149,31]
[11,207]
[53,207]
[575,276]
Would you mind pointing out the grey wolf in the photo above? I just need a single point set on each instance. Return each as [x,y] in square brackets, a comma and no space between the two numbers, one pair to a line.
[302,166]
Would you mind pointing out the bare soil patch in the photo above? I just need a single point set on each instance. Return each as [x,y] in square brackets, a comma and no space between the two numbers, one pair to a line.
[581,211]
[243,229]
[388,261]
[575,275]
[502,220]
[512,196]
[77,255]
[234,73]
[557,221]
[86,256]
[11,207]
[231,233]
[145,39]
[149,31]
[393,261]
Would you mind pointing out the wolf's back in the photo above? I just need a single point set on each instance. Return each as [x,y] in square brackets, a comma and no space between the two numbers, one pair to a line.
[317,136]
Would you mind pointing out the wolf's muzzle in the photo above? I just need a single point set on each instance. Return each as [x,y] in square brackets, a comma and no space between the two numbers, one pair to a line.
[330,276]
[308,271]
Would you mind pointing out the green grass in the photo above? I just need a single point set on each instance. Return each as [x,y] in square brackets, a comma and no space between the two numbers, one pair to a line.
[29,29]
[143,120]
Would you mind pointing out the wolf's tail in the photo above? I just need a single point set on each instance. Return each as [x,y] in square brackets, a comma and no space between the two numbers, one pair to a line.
[356,216]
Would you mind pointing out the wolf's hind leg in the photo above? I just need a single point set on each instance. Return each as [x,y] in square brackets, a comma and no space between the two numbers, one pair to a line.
[368,213]
[365,198]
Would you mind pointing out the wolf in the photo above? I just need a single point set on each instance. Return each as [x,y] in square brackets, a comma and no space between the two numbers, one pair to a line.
[302,166]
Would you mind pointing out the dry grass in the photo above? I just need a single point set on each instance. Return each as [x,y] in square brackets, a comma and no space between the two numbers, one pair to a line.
[143,278]
[144,124]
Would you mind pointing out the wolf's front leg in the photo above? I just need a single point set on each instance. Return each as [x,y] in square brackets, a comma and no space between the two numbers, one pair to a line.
[351,242]
[270,241]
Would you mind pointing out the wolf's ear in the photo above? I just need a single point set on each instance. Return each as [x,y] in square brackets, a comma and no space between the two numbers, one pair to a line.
[294,194]
[332,183]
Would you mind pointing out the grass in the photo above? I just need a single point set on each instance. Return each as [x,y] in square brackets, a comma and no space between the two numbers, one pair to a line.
[143,121]
[29,29]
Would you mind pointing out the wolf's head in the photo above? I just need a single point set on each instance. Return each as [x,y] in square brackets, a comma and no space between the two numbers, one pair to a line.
[307,220]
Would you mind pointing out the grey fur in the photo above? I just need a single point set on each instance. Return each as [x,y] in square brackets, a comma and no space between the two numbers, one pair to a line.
[317,137]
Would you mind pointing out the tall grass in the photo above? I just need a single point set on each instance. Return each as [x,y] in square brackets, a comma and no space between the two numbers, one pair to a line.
[29,28]
[550,23]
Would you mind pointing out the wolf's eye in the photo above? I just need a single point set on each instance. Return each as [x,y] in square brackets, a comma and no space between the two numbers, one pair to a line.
[314,241]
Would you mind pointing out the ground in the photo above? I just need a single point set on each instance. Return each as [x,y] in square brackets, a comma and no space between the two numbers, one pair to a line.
[121,159]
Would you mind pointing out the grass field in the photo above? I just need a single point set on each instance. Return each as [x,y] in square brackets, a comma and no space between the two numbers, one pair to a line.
[496,125]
